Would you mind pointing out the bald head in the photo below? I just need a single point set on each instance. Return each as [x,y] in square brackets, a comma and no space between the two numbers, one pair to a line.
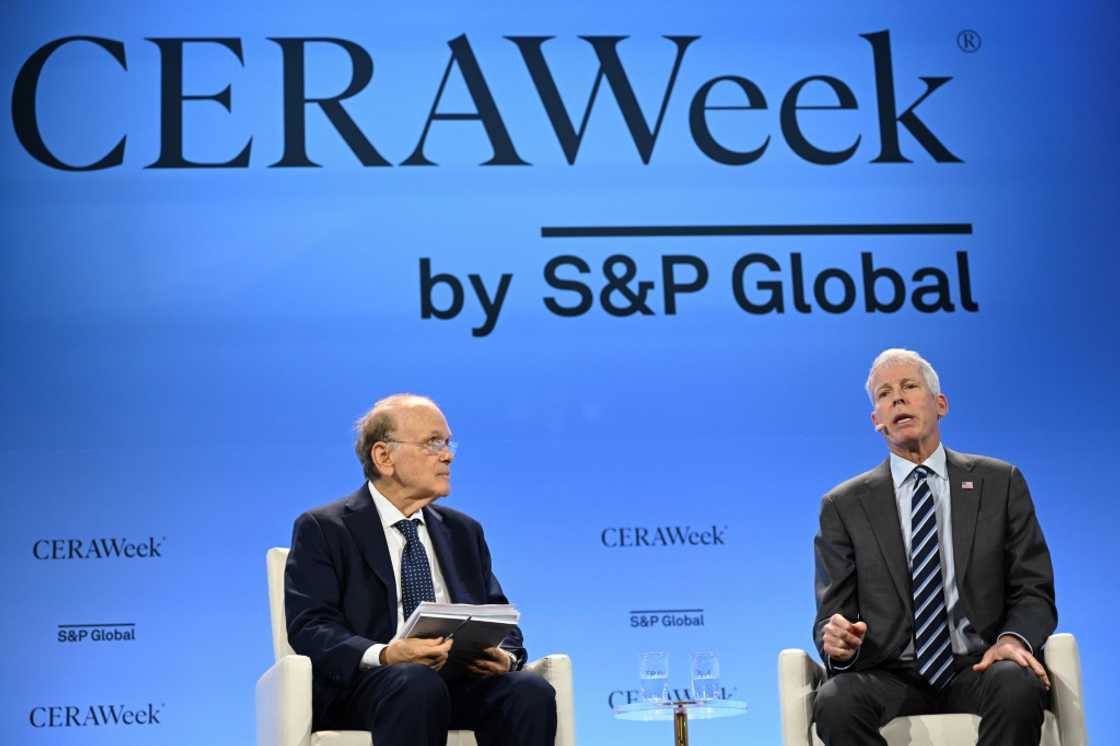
[379,424]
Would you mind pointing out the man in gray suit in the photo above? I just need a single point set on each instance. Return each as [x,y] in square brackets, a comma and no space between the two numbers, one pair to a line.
[935,591]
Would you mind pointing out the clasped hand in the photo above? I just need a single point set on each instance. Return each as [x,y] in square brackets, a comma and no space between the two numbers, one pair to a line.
[490,662]
[430,652]
[840,639]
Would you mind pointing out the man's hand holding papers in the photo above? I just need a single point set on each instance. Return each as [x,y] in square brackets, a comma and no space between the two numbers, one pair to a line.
[468,634]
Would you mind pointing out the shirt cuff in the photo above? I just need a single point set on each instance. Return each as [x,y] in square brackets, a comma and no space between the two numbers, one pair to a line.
[846,665]
[512,659]
[372,657]
[1016,635]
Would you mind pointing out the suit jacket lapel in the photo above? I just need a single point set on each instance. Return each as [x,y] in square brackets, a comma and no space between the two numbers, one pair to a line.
[441,541]
[965,505]
[882,512]
[364,524]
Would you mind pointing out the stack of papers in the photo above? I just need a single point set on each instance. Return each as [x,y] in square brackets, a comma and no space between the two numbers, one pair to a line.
[474,627]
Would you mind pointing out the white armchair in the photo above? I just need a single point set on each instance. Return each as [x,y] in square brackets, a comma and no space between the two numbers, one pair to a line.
[284,691]
[1064,725]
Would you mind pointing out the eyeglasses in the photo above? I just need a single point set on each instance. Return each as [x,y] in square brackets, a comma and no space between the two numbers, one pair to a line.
[431,445]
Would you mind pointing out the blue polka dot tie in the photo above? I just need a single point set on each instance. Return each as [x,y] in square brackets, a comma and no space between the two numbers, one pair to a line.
[416,573]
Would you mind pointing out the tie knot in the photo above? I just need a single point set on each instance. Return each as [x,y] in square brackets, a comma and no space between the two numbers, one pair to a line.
[920,473]
[407,527]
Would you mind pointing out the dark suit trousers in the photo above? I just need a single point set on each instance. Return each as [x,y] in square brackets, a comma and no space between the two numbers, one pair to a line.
[412,705]
[850,708]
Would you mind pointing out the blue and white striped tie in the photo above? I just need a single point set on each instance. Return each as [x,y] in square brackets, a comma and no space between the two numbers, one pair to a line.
[932,646]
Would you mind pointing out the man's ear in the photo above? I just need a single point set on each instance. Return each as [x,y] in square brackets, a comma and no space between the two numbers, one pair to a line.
[380,454]
[942,405]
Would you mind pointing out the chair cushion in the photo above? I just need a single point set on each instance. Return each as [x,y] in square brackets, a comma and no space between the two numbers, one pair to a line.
[945,730]
[362,738]
[341,738]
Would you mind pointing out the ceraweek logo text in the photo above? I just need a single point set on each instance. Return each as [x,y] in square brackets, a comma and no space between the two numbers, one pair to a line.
[630,696]
[758,281]
[825,93]
[86,716]
[98,548]
[663,536]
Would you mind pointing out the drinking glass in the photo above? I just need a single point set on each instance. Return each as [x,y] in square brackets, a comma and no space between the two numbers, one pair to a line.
[653,675]
[705,675]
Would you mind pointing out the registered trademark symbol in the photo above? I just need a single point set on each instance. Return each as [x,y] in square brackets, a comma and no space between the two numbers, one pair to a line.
[969,41]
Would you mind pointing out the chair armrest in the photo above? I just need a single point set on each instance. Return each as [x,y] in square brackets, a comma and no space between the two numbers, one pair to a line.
[284,703]
[1064,664]
[557,670]
[798,678]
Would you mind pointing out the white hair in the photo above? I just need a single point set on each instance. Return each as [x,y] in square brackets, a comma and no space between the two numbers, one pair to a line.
[898,356]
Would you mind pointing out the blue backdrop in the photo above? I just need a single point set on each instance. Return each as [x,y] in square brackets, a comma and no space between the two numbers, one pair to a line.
[184,349]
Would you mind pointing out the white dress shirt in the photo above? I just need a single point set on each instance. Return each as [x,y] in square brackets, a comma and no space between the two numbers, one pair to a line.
[395,540]
[961,632]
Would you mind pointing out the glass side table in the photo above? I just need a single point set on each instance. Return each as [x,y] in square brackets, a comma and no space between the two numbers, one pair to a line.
[679,712]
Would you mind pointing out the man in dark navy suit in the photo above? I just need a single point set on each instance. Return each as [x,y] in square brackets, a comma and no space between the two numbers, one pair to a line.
[935,591]
[358,566]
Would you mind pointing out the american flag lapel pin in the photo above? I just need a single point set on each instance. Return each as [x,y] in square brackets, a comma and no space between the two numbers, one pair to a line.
[966,485]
